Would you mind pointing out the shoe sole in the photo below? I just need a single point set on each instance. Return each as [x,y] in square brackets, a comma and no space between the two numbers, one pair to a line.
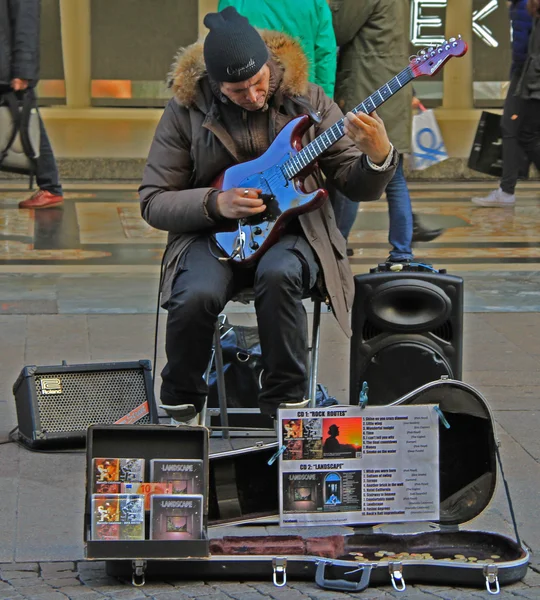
[494,205]
[52,205]
[427,238]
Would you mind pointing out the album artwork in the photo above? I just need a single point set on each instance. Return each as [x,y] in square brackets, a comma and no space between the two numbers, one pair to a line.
[312,428]
[185,475]
[117,517]
[292,428]
[312,449]
[176,517]
[116,470]
[293,450]
[302,492]
[342,437]
[107,488]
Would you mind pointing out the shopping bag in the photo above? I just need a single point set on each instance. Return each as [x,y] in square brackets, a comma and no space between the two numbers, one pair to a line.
[487,150]
[19,132]
[427,143]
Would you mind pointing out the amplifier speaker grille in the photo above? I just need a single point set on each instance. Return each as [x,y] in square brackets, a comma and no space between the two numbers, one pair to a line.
[57,404]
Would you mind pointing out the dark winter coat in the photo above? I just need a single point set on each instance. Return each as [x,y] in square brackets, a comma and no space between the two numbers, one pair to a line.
[529,86]
[191,147]
[521,30]
[19,40]
[372,36]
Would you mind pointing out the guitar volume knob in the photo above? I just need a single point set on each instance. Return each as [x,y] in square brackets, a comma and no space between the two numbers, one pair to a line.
[257,231]
[254,246]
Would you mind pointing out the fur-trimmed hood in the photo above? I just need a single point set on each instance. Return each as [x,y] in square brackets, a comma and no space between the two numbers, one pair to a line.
[189,68]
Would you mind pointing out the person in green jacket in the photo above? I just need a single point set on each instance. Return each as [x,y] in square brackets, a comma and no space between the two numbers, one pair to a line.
[309,21]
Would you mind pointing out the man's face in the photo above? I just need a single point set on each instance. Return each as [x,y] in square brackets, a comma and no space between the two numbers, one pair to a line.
[250,94]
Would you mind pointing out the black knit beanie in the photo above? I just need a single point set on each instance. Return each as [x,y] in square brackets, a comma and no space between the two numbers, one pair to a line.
[233,49]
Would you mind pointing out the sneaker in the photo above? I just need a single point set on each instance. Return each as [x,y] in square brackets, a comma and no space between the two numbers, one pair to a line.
[181,414]
[495,198]
[42,199]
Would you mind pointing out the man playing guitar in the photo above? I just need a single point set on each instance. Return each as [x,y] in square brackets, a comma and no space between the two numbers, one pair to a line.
[233,94]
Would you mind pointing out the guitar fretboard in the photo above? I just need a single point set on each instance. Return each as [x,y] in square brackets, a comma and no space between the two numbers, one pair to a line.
[309,153]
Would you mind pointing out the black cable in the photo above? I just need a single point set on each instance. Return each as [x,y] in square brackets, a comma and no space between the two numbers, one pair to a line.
[508,497]
[10,439]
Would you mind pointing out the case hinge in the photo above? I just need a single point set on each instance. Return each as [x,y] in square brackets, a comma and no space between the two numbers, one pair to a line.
[492,580]
[279,565]
[137,577]
[396,576]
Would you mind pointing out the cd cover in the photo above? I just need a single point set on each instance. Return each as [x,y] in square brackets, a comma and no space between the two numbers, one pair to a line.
[175,517]
[115,471]
[117,517]
[185,475]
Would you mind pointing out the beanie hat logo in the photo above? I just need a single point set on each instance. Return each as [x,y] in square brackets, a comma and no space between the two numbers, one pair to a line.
[233,49]
[247,67]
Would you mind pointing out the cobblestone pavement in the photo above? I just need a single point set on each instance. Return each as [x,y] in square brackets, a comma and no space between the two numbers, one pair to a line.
[89,581]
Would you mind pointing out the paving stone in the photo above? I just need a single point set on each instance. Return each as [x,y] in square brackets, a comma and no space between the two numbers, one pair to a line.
[132,593]
[48,596]
[17,575]
[194,590]
[155,587]
[176,595]
[254,595]
[62,582]
[232,589]
[86,566]
[6,567]
[57,567]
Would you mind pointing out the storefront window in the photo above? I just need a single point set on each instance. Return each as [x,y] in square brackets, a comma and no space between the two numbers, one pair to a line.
[490,46]
[133,45]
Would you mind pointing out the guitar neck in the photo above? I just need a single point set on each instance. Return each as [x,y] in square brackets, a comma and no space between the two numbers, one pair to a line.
[322,142]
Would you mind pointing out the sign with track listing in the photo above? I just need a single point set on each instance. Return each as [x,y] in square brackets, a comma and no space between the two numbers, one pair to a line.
[347,465]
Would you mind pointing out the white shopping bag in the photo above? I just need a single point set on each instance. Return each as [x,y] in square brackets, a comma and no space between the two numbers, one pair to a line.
[427,143]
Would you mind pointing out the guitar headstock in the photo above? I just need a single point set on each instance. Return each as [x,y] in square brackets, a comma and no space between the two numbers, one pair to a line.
[431,60]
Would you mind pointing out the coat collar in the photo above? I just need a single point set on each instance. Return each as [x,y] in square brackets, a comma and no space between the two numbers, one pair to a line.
[188,70]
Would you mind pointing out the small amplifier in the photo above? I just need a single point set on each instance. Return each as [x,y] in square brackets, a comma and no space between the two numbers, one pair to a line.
[56,404]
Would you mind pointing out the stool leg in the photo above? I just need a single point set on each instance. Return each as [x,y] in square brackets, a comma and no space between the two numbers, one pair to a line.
[204,412]
[220,381]
[314,354]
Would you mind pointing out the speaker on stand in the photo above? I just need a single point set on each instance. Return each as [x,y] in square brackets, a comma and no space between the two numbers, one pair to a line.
[407,331]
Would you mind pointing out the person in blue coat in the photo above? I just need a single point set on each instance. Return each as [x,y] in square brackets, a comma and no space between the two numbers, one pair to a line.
[513,154]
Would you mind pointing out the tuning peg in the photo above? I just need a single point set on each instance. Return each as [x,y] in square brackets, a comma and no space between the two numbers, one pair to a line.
[439,49]
[459,36]
[452,40]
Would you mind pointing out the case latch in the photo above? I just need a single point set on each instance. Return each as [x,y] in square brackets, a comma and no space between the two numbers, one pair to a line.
[492,581]
[279,566]
[396,576]
[139,567]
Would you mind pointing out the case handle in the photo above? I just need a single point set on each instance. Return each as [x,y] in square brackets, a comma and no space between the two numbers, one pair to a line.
[342,585]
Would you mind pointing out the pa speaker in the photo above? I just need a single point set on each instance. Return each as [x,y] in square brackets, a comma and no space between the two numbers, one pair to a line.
[407,331]
[56,404]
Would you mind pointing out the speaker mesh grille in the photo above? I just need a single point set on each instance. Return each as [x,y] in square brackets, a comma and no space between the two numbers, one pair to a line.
[89,398]
[444,332]
[369,331]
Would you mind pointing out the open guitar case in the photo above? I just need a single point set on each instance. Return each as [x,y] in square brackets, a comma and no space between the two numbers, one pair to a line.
[243,489]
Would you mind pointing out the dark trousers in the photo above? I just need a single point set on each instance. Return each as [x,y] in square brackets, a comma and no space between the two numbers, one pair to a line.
[529,131]
[513,153]
[47,171]
[203,285]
